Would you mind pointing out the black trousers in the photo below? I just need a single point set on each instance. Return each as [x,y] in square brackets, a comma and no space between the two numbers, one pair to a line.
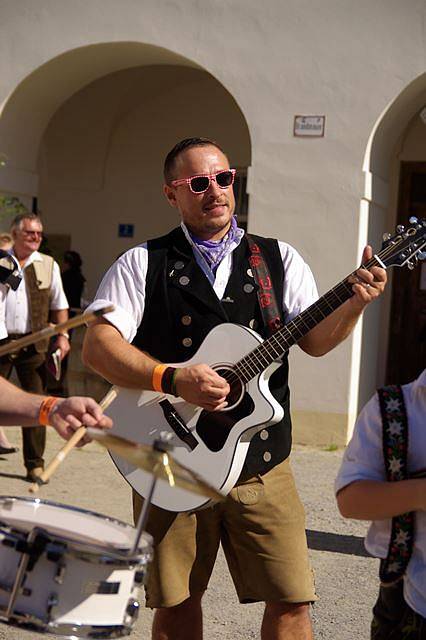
[30,369]
[393,619]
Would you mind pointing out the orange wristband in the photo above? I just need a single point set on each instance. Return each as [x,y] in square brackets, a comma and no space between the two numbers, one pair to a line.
[45,408]
[157,376]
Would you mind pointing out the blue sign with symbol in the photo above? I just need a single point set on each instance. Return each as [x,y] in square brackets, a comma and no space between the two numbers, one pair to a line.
[126,230]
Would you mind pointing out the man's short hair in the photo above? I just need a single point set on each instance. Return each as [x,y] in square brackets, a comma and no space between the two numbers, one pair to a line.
[180,147]
[18,220]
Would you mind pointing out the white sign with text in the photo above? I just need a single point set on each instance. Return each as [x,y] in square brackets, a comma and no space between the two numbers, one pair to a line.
[310,126]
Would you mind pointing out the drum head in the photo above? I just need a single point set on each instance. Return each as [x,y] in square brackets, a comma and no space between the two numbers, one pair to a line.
[69,523]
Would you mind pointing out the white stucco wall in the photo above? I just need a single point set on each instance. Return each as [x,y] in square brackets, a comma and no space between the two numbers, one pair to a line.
[103,152]
[342,59]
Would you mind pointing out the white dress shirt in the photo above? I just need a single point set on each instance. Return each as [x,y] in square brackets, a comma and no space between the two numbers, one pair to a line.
[124,286]
[363,460]
[3,293]
[18,317]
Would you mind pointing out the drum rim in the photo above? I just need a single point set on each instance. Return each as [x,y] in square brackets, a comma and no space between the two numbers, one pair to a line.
[66,630]
[146,537]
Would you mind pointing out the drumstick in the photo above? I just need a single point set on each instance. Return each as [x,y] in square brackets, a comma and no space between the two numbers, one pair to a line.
[71,443]
[47,332]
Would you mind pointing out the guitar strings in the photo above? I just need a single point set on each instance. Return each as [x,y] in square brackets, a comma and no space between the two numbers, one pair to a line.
[251,364]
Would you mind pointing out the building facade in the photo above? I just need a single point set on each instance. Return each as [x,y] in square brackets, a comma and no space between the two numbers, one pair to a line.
[93,94]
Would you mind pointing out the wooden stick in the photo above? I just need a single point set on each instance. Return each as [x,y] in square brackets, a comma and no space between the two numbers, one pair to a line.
[52,330]
[71,443]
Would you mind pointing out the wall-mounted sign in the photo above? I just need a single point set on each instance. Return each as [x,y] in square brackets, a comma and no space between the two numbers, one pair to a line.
[309,126]
[126,230]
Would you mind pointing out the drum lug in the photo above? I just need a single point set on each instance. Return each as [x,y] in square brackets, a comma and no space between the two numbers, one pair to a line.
[102,587]
[132,611]
[60,573]
[52,601]
[55,551]
[139,577]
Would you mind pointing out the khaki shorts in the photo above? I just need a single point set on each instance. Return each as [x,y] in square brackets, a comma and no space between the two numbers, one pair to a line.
[261,526]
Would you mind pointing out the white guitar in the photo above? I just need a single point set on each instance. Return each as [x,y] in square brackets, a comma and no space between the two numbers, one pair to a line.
[214,444]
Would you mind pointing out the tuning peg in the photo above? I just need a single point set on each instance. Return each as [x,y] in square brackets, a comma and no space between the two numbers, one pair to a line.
[400,228]
[421,255]
[413,220]
[410,264]
[386,236]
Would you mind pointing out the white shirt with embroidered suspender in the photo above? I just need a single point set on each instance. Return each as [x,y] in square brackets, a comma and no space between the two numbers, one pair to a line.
[363,460]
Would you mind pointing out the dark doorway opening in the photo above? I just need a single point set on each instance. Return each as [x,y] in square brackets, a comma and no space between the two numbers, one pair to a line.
[407,335]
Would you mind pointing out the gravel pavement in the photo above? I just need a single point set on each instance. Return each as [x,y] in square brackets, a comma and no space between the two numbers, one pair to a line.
[345,576]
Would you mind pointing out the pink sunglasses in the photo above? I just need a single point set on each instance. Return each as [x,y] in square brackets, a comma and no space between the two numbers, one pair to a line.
[200,183]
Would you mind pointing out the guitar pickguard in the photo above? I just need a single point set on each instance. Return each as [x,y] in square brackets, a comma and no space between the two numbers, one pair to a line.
[214,427]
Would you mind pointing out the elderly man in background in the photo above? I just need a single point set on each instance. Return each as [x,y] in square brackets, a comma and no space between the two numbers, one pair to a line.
[6,244]
[39,298]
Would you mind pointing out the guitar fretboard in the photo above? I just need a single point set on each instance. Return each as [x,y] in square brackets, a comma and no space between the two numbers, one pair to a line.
[276,346]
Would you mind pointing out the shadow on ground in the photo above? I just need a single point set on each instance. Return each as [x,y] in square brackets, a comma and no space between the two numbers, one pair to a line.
[337,543]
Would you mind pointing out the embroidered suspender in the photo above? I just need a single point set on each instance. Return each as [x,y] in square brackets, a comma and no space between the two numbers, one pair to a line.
[395,449]
[265,294]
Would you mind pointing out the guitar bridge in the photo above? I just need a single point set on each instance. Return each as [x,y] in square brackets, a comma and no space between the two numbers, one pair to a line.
[177,424]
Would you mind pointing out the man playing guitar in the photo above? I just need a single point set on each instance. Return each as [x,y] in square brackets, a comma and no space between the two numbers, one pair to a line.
[169,293]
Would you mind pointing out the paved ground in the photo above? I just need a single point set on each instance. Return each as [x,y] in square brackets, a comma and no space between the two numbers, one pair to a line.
[345,576]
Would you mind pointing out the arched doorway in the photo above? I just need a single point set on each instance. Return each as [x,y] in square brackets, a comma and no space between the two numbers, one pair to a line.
[407,329]
[394,333]
[87,132]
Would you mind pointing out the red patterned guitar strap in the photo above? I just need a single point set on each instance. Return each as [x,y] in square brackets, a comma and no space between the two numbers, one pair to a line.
[395,449]
[265,293]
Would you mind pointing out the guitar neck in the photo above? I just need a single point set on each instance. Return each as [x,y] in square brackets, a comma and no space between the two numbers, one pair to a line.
[280,342]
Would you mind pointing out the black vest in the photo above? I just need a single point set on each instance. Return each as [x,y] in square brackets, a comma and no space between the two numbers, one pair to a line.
[182,307]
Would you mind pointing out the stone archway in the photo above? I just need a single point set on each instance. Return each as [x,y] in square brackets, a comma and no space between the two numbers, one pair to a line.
[25,114]
[98,121]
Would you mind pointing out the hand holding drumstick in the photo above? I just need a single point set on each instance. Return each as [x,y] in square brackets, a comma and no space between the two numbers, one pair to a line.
[70,417]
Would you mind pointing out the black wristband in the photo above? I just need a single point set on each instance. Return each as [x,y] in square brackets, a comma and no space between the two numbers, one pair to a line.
[174,390]
[167,381]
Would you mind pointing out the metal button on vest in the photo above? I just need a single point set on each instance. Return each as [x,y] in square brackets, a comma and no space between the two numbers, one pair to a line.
[250,273]
[187,342]
[179,264]
[186,320]
[253,324]
[267,456]
[184,280]
[248,288]
[264,434]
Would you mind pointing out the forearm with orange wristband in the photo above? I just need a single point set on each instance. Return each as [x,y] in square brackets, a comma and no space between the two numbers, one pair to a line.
[164,379]
[45,409]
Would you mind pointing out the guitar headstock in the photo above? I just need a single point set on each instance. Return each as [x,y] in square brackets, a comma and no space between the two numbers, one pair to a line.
[406,247]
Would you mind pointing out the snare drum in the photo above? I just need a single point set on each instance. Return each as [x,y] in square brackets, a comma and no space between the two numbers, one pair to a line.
[68,571]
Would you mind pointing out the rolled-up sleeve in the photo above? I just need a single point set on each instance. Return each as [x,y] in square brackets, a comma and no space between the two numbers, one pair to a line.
[300,289]
[123,285]
[58,299]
